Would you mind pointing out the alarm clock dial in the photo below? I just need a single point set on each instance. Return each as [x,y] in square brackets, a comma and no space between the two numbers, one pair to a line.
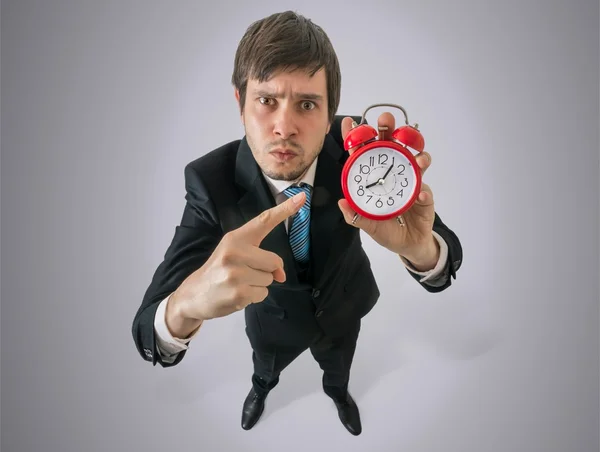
[382,181]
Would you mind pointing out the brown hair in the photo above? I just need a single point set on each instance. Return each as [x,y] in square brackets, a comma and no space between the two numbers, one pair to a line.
[286,41]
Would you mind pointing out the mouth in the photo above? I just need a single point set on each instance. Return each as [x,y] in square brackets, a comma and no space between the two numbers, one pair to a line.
[283,155]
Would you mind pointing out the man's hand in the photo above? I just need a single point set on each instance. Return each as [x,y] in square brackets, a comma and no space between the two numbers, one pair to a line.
[414,240]
[237,273]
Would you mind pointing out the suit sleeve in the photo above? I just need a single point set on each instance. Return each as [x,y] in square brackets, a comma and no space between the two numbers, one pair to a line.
[453,261]
[194,240]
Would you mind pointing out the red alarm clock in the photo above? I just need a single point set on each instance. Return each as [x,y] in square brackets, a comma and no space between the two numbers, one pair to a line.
[381,179]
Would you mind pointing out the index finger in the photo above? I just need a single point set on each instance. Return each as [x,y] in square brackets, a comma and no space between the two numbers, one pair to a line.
[259,227]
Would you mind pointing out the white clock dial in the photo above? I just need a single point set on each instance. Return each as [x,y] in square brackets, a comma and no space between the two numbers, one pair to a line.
[381,181]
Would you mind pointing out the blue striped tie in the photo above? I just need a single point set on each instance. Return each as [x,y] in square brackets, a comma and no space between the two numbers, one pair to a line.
[300,231]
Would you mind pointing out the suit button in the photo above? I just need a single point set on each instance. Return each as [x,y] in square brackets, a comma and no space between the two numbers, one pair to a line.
[319,314]
[316,293]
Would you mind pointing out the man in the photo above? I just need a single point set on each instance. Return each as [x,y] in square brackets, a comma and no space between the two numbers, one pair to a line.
[266,229]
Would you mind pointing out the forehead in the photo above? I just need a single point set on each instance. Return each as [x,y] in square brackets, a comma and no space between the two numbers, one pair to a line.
[292,83]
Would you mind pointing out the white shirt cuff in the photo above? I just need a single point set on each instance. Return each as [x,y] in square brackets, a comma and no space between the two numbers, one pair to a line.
[166,343]
[439,267]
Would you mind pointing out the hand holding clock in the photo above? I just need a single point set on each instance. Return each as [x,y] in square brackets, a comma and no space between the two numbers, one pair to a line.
[413,239]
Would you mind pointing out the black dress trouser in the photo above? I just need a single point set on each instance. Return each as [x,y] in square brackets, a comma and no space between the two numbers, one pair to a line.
[334,356]
[288,341]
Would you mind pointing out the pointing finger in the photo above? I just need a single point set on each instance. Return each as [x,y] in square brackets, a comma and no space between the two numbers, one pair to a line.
[260,226]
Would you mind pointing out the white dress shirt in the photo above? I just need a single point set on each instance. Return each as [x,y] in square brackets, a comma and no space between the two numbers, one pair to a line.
[169,346]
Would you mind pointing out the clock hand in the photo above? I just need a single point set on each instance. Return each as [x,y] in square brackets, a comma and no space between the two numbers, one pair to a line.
[388,171]
[381,181]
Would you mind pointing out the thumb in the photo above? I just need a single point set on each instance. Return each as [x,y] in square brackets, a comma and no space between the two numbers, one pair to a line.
[346,126]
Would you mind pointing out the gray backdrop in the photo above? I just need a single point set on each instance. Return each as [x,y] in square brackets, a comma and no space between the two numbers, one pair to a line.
[103,104]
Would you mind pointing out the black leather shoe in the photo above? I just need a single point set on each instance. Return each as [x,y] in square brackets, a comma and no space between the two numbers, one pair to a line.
[348,412]
[253,408]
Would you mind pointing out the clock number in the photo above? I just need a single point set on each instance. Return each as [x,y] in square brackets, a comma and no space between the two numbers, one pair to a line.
[390,203]
[357,178]
[383,156]
[364,169]
[372,161]
[403,169]
[370,196]
[403,184]
[360,189]
[379,203]
[400,193]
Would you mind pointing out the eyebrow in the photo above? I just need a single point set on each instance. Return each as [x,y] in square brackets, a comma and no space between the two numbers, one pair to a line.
[275,95]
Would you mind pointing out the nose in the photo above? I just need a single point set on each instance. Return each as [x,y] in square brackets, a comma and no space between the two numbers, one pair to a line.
[285,123]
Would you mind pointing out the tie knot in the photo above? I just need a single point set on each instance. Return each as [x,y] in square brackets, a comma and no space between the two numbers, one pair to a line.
[291,191]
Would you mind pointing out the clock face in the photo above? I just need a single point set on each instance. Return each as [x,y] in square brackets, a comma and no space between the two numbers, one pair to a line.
[382,180]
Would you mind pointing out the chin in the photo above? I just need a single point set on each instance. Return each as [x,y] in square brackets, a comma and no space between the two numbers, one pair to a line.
[288,175]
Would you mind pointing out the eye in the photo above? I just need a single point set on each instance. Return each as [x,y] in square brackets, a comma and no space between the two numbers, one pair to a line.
[266,100]
[308,105]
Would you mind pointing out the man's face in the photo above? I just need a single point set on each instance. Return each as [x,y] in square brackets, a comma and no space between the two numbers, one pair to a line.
[286,120]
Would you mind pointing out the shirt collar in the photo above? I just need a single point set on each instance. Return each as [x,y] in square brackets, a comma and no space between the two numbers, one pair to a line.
[277,186]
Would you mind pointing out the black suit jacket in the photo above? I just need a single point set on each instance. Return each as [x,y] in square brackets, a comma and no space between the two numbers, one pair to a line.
[224,190]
